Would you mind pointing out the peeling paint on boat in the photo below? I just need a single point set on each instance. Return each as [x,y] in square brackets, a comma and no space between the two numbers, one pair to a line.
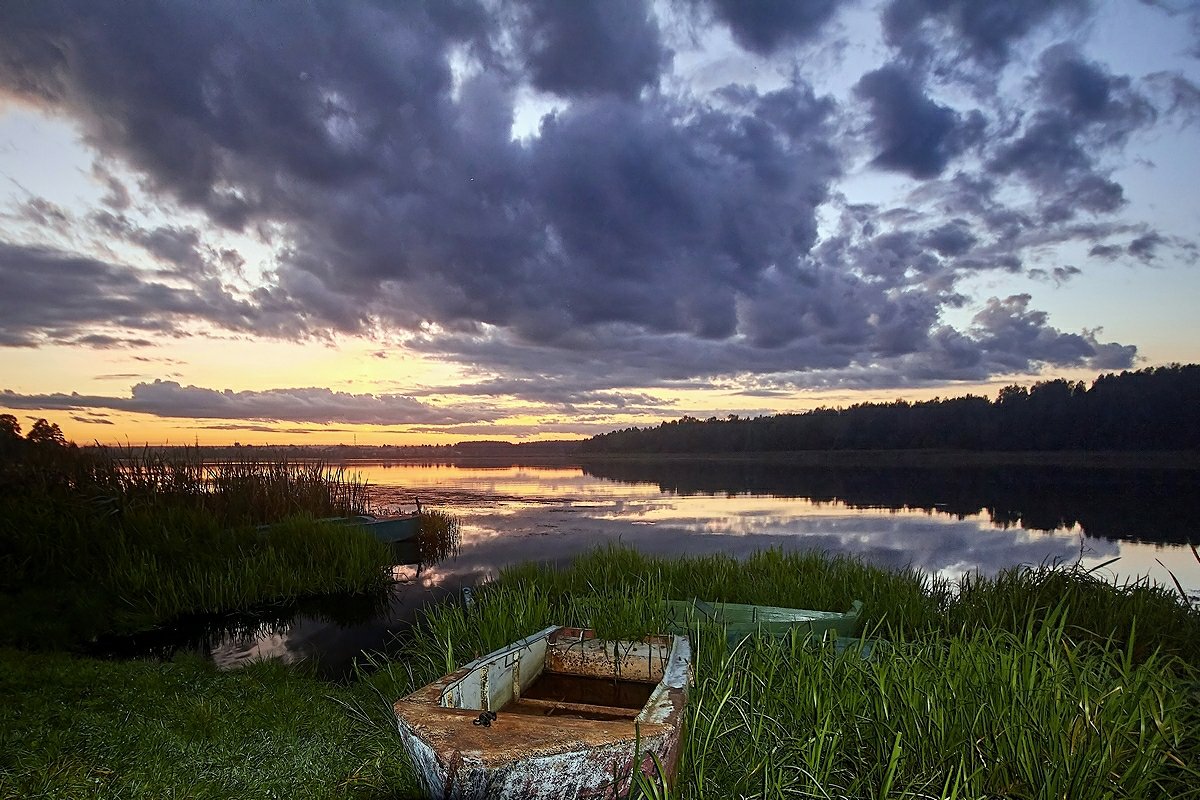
[578,749]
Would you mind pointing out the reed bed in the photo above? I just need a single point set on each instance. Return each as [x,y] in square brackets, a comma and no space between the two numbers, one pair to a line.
[984,690]
[95,541]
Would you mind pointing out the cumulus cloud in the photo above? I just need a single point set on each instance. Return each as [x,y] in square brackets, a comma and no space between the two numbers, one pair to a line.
[639,234]
[1085,110]
[591,47]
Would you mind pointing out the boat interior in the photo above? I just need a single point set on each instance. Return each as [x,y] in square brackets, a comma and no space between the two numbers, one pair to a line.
[564,672]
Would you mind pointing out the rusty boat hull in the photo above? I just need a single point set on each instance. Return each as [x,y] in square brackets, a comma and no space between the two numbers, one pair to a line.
[574,716]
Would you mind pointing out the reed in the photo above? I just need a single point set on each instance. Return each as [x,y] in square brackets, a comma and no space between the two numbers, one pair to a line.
[988,714]
[909,601]
[438,537]
[994,690]
[1143,615]
[102,540]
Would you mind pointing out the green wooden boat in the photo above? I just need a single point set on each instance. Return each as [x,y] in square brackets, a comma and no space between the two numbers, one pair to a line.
[386,529]
[741,619]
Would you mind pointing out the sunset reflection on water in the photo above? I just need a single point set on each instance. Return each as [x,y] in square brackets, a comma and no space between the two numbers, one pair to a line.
[513,514]
[516,513]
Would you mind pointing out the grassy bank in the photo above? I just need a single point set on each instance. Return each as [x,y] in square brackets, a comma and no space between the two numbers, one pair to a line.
[79,728]
[1033,684]
[1038,683]
[103,541]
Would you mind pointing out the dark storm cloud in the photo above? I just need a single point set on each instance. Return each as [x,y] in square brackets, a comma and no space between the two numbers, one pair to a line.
[764,26]
[904,346]
[588,47]
[912,133]
[951,239]
[665,220]
[316,405]
[642,236]
[1015,335]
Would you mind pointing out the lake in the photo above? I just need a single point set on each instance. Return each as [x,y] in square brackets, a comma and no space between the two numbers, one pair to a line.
[944,521]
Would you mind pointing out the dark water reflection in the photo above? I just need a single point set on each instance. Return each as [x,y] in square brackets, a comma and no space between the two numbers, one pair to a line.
[944,522]
[1154,506]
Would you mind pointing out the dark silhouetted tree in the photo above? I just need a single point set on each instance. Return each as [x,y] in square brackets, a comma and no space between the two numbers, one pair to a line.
[46,433]
[1150,409]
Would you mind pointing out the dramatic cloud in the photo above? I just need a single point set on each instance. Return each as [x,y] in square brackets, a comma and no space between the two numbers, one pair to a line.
[51,296]
[538,193]
[1086,110]
[588,47]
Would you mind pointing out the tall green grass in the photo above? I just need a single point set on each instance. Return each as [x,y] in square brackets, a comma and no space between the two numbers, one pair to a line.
[96,541]
[1038,683]
[438,536]
[248,491]
[914,602]
[1136,613]
[987,714]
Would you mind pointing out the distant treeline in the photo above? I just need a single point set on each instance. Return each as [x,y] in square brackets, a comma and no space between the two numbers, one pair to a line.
[1150,409]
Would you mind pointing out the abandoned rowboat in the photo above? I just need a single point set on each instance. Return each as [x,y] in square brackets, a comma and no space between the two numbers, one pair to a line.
[558,714]
[741,620]
[386,529]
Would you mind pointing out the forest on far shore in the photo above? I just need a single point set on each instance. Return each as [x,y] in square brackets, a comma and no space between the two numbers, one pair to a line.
[1157,408]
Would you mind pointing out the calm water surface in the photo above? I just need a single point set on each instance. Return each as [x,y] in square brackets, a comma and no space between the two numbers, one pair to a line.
[944,522]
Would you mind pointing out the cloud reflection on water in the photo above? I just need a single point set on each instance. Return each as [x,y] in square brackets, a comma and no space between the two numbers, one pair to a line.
[512,515]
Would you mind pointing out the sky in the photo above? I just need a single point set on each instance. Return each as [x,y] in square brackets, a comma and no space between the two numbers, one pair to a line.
[427,222]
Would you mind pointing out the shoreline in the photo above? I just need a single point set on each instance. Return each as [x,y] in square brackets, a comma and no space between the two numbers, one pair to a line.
[1099,459]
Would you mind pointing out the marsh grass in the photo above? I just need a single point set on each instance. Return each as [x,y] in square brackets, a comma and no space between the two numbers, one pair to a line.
[438,536]
[1038,683]
[98,541]
[1135,614]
